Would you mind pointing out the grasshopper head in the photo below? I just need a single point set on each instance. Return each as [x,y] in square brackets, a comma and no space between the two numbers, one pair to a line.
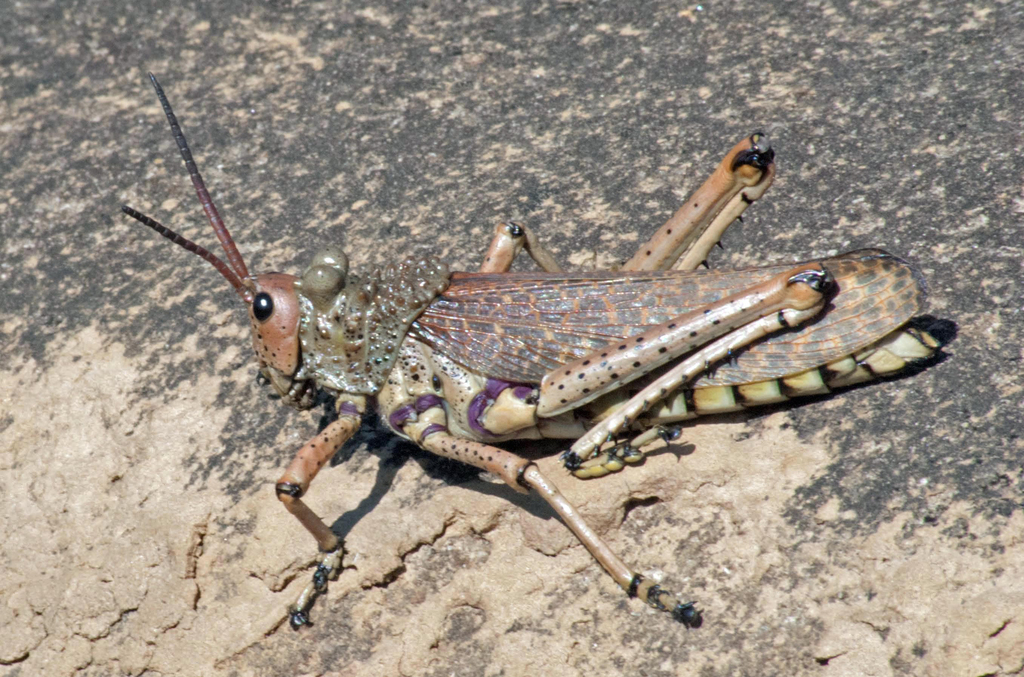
[270,298]
[274,323]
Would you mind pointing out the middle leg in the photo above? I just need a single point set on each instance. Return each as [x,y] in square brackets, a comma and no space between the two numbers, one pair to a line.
[510,239]
[522,474]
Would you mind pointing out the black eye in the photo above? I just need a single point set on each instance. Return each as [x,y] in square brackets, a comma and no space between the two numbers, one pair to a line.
[262,306]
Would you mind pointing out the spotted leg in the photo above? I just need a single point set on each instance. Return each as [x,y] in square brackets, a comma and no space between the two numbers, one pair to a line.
[296,480]
[695,364]
[521,474]
[714,332]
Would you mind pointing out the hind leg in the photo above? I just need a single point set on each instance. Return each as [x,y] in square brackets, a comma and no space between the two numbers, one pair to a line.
[683,242]
[686,345]
[743,175]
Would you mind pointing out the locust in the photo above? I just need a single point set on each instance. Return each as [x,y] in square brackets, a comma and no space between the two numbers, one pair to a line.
[461,362]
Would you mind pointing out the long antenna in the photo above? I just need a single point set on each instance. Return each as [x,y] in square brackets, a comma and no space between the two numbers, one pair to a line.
[224,268]
[234,258]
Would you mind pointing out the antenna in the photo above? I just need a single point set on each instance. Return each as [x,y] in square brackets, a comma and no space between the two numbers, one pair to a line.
[234,258]
[224,268]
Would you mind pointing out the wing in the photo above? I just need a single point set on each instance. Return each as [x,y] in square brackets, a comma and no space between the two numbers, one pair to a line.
[519,326]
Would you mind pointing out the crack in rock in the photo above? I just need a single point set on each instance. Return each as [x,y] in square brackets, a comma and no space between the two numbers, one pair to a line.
[391,576]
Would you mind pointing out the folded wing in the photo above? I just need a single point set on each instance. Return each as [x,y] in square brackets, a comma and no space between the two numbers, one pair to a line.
[518,326]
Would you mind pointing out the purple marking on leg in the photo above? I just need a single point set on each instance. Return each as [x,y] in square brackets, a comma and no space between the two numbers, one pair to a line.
[523,392]
[494,387]
[400,416]
[476,411]
[424,402]
[431,429]
[348,409]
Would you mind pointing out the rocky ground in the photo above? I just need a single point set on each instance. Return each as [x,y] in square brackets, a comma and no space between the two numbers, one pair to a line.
[877,532]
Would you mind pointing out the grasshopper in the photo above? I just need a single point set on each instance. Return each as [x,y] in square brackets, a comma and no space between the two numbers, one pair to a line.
[457,362]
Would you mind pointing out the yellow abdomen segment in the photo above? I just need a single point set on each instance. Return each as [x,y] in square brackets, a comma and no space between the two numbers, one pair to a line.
[887,357]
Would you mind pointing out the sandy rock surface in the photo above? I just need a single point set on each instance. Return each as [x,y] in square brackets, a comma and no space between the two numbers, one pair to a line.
[877,532]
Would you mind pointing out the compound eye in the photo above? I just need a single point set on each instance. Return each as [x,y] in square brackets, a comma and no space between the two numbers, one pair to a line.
[262,306]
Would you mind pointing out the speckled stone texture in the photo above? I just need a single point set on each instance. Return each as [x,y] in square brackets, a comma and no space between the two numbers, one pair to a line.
[877,532]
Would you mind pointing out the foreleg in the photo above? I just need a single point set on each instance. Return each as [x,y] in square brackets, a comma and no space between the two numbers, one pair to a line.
[293,485]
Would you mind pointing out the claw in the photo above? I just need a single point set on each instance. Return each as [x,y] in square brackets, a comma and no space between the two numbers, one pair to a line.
[687,614]
[630,455]
[571,460]
[683,612]
[320,577]
[670,433]
[297,619]
[327,568]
